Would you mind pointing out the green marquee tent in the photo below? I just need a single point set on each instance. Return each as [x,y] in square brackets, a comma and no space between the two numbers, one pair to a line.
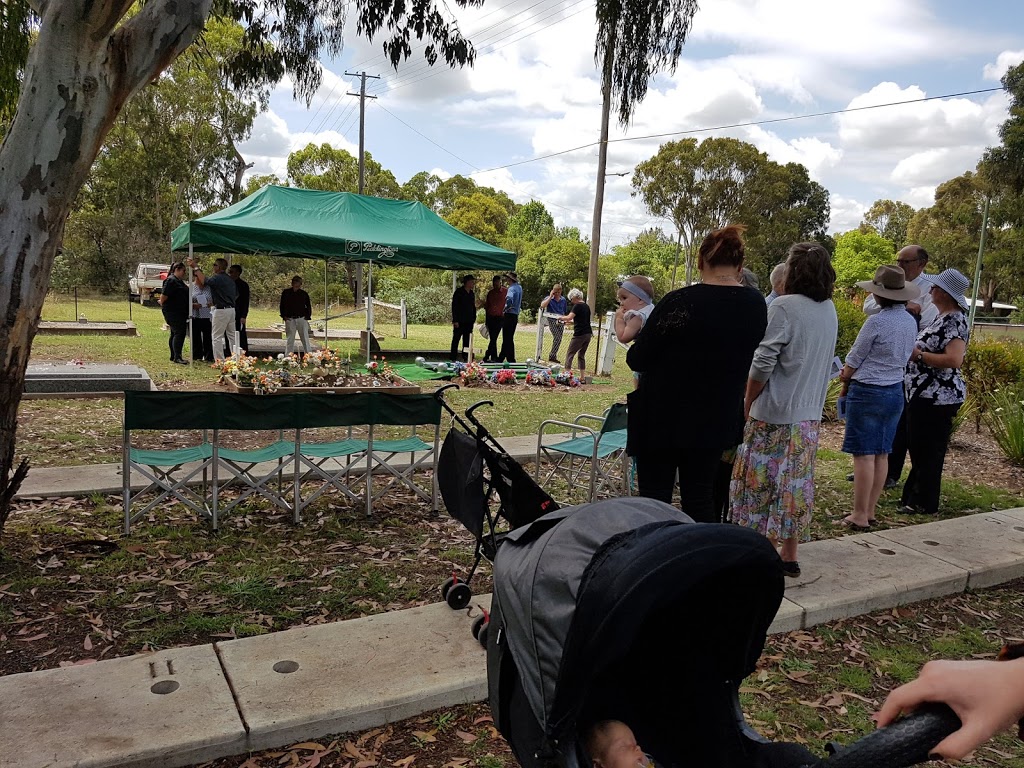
[339,226]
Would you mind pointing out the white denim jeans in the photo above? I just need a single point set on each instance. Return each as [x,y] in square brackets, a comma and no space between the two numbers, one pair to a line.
[291,325]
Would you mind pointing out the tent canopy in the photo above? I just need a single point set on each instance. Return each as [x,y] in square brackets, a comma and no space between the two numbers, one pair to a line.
[339,226]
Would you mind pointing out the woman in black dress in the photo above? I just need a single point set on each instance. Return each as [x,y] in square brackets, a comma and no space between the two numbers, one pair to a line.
[693,357]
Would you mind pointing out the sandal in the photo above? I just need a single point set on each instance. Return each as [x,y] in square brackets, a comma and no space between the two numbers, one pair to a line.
[791,568]
[848,523]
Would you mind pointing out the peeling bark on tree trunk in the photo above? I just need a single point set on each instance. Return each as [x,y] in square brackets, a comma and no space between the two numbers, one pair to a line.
[82,70]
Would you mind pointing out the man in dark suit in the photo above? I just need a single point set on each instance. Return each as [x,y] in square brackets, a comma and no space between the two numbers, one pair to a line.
[241,305]
[464,306]
[176,307]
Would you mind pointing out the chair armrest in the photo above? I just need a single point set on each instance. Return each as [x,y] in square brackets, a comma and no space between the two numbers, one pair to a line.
[572,426]
[589,416]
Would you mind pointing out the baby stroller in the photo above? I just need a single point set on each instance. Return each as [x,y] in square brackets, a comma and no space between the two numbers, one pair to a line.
[471,469]
[625,609]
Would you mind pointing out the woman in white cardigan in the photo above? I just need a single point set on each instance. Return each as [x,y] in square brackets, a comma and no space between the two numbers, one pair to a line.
[772,486]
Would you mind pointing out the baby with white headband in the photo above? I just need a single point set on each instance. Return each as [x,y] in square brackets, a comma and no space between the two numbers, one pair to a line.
[636,301]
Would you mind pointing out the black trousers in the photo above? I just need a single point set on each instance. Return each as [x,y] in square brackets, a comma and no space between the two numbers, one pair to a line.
[494,323]
[176,340]
[928,429]
[202,339]
[243,339]
[697,467]
[898,455]
[509,321]
[460,338]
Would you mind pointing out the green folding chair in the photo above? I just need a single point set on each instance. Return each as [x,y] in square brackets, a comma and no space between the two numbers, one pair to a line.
[597,452]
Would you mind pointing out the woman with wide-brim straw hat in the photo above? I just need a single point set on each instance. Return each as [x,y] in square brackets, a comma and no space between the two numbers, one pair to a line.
[873,387]
[935,391]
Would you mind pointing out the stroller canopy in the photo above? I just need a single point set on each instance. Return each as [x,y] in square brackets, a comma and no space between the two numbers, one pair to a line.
[616,609]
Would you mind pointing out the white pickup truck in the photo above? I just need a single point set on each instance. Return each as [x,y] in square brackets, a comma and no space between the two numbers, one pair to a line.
[147,282]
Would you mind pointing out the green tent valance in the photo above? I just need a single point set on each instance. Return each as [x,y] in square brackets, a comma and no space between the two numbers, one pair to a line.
[339,226]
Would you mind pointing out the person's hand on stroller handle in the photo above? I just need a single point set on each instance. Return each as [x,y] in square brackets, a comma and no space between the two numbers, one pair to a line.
[987,696]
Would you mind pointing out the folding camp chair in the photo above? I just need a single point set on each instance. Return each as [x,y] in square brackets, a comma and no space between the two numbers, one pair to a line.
[241,468]
[337,464]
[315,461]
[255,470]
[602,450]
[169,472]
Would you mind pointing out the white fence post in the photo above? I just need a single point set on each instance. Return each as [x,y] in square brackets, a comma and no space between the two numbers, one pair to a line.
[541,324]
[404,320]
[610,342]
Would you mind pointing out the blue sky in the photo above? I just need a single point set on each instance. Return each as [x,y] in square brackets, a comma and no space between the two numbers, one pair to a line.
[534,90]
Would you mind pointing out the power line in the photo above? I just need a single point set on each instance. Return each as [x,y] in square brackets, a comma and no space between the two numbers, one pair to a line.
[748,124]
[424,74]
[414,130]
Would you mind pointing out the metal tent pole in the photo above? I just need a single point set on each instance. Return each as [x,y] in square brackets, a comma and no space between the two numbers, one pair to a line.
[369,307]
[188,321]
[325,303]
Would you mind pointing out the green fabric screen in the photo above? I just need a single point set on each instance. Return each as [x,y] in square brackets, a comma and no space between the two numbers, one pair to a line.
[224,410]
[339,226]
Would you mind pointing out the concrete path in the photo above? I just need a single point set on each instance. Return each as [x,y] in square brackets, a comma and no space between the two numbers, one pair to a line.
[186,705]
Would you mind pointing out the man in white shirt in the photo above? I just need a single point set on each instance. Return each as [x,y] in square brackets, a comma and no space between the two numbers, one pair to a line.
[912,260]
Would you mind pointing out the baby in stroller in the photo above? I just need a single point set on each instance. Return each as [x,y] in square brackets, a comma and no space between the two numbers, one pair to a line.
[612,744]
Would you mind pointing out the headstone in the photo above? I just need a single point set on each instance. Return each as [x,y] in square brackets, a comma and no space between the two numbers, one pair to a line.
[69,378]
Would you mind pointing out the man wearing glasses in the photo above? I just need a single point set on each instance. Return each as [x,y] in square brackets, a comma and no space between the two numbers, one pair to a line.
[912,260]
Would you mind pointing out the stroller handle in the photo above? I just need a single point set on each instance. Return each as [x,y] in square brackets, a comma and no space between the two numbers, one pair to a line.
[906,742]
[473,407]
[439,392]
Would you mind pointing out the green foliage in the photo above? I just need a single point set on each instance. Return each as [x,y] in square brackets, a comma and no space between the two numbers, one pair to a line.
[16,21]
[479,215]
[851,318]
[531,222]
[858,254]
[890,219]
[635,40]
[991,365]
[336,170]
[1005,417]
[559,260]
[430,305]
[720,181]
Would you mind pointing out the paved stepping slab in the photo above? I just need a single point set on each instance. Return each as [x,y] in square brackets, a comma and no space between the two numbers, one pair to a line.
[336,678]
[854,575]
[156,710]
[990,547]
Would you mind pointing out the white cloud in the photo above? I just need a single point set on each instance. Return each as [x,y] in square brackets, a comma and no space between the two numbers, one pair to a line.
[847,214]
[934,166]
[1003,62]
[919,197]
[271,141]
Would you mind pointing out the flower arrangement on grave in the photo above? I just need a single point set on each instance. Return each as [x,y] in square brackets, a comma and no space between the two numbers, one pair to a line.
[567,378]
[380,369]
[540,377]
[503,376]
[471,373]
[320,368]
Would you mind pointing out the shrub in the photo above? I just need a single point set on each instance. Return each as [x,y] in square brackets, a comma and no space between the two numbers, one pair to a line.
[851,318]
[429,305]
[993,364]
[1005,417]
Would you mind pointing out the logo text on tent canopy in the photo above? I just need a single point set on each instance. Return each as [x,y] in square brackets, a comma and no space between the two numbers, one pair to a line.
[357,248]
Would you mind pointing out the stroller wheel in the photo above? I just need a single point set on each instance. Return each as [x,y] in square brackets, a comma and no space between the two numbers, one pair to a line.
[480,627]
[458,595]
[446,586]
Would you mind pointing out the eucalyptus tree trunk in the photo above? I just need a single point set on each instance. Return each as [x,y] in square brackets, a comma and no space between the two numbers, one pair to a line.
[83,68]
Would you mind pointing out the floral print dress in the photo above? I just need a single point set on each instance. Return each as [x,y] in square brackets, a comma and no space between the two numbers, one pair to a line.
[772,486]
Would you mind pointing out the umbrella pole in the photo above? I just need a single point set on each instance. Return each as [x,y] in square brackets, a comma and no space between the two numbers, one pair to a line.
[325,304]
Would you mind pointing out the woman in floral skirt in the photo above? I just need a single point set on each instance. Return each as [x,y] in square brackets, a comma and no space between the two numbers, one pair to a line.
[772,486]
